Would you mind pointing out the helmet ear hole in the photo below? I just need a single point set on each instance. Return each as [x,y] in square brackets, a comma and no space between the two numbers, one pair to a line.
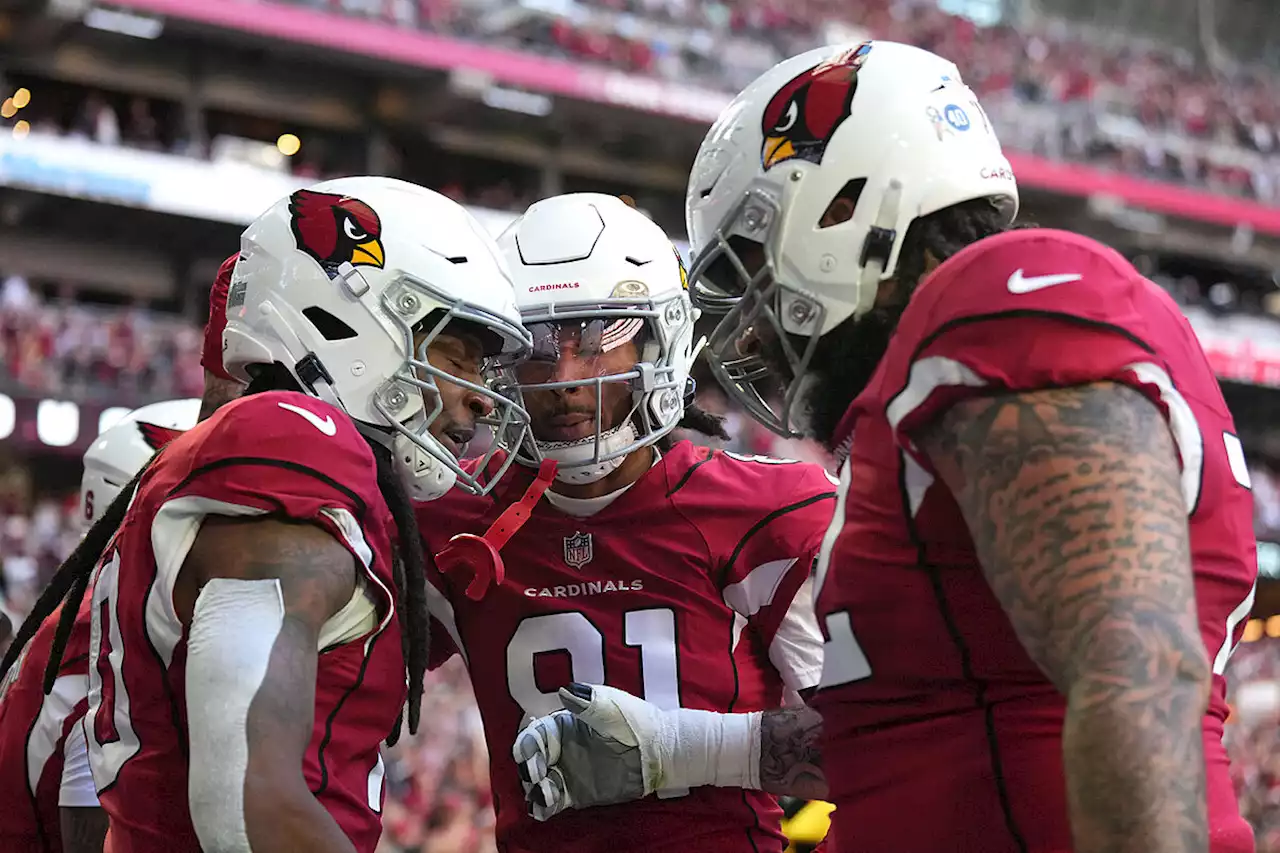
[329,326]
[843,204]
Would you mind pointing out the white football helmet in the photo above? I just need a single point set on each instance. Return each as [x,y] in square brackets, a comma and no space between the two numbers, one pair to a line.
[595,263]
[334,281]
[120,452]
[889,125]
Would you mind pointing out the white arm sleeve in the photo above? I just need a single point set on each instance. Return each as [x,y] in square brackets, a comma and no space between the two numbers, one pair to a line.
[77,788]
[233,630]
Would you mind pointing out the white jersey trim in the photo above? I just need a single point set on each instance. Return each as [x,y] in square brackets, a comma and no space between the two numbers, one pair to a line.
[42,741]
[174,531]
[796,649]
[928,375]
[77,790]
[1183,425]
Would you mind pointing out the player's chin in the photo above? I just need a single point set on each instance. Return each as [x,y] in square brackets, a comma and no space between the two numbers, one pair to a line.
[560,432]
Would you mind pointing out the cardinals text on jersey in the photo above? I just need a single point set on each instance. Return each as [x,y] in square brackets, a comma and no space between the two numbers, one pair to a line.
[930,704]
[253,457]
[692,589]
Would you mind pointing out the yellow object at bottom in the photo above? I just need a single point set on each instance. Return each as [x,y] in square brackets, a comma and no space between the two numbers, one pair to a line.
[807,826]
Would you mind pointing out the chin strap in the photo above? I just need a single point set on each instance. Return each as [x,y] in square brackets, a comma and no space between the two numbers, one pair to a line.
[474,560]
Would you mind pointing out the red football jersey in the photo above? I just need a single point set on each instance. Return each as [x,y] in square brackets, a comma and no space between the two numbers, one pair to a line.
[680,591]
[279,454]
[33,735]
[930,704]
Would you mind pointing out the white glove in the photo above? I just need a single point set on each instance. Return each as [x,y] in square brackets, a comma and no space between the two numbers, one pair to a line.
[608,746]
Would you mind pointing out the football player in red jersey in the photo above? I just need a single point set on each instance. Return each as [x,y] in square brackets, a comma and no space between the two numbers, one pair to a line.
[1042,555]
[252,619]
[51,804]
[64,816]
[671,571]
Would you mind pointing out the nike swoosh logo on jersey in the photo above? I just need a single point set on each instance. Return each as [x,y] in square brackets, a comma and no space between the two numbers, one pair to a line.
[1018,283]
[326,426]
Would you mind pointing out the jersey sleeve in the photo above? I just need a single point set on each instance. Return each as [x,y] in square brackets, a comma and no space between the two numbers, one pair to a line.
[1030,310]
[768,573]
[275,454]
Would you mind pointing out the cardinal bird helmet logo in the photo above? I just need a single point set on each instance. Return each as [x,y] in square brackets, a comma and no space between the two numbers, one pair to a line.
[335,229]
[801,118]
[157,436]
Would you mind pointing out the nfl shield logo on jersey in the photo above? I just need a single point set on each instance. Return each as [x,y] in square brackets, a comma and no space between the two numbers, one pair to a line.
[577,550]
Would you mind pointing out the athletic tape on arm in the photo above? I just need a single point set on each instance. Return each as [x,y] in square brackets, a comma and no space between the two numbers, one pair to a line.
[233,630]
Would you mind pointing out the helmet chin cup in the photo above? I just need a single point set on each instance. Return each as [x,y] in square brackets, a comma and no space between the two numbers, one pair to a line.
[424,476]
[576,459]
[586,474]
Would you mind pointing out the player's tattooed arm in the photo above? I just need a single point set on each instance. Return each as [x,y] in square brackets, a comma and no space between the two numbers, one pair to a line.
[1074,502]
[790,758]
[303,577]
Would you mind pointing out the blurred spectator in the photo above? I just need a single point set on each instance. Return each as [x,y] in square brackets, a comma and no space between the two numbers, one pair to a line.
[1253,737]
[95,353]
[438,780]
[35,537]
[1264,476]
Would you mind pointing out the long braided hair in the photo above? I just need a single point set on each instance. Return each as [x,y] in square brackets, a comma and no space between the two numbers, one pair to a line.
[408,560]
[699,420]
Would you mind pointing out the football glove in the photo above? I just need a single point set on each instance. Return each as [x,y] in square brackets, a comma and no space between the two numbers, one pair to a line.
[607,746]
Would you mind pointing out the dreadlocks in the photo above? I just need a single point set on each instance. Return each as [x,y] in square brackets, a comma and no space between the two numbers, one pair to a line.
[698,420]
[845,358]
[68,585]
[411,584]
[408,560]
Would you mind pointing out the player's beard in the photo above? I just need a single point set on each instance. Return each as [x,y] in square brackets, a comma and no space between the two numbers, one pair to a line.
[843,362]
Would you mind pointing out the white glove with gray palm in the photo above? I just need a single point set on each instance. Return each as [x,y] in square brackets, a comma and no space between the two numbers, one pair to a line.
[608,747]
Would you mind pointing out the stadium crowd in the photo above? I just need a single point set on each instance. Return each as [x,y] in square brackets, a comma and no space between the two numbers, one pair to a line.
[1252,740]
[70,348]
[1051,89]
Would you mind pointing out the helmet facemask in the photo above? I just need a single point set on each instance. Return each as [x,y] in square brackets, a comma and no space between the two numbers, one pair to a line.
[640,402]
[764,345]
[402,301]
[756,350]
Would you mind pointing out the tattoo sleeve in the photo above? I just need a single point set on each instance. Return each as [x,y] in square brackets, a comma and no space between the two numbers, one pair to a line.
[790,760]
[1074,503]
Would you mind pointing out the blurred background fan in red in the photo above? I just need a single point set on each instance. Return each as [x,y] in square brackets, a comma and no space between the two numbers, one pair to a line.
[138,137]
